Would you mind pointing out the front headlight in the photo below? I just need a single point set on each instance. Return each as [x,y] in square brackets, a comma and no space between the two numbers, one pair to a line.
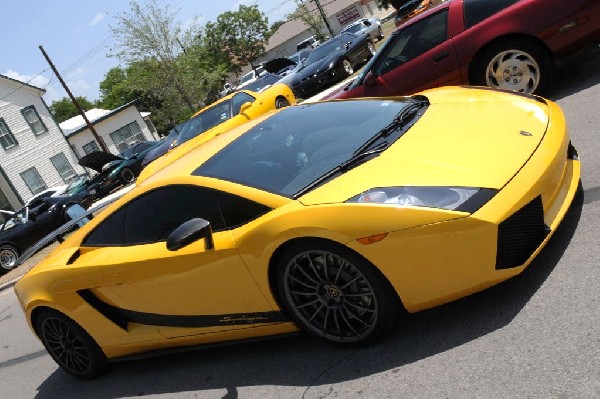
[464,199]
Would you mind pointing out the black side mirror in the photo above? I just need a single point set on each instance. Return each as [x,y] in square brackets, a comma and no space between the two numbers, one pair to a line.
[189,232]
[370,79]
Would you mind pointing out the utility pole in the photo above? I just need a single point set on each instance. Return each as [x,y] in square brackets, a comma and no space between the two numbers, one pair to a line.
[81,111]
[318,3]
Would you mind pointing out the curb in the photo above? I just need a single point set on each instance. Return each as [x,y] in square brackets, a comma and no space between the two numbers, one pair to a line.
[8,284]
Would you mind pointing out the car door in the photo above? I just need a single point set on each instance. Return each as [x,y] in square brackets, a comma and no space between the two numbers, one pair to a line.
[194,290]
[418,57]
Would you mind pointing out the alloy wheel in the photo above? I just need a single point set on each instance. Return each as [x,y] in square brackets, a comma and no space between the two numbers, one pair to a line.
[8,258]
[66,346]
[513,70]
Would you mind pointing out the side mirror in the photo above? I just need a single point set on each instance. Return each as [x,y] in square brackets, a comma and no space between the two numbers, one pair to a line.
[245,106]
[189,232]
[370,79]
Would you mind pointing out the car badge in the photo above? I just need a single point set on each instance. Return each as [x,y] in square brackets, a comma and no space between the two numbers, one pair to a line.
[524,133]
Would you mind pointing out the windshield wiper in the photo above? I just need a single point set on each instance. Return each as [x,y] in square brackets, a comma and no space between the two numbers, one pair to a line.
[399,122]
[374,145]
[346,165]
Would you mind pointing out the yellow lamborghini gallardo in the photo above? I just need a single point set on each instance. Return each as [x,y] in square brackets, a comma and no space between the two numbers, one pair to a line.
[329,217]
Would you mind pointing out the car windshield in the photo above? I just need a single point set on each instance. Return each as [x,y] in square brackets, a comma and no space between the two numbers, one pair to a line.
[261,83]
[19,217]
[327,48]
[353,28]
[205,120]
[294,148]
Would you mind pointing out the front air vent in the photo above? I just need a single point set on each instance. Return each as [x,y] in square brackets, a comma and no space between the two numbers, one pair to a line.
[520,235]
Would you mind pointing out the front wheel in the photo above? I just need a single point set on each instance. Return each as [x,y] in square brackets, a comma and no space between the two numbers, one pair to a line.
[281,102]
[70,346]
[347,67]
[8,258]
[515,65]
[379,34]
[335,294]
[371,48]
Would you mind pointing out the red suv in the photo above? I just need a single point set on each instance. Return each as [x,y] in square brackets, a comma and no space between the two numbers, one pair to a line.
[506,44]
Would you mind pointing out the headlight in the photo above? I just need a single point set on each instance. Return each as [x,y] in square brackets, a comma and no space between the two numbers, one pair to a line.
[464,199]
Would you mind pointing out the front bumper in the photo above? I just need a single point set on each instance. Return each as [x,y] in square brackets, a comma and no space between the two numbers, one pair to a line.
[440,262]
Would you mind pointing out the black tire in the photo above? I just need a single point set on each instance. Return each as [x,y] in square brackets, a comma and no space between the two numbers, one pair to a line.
[281,102]
[8,258]
[127,176]
[335,294]
[517,65]
[346,67]
[70,346]
[379,34]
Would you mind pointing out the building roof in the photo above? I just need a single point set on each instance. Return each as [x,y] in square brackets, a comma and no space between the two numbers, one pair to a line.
[11,80]
[76,124]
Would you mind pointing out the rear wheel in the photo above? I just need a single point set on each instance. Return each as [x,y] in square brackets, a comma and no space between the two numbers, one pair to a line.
[8,258]
[515,65]
[127,176]
[335,294]
[371,48]
[69,345]
[379,33]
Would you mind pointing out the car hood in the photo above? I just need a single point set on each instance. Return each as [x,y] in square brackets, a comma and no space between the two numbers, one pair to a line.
[466,138]
[315,67]
[96,160]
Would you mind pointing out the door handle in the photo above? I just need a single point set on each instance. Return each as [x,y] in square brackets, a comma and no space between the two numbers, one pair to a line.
[441,56]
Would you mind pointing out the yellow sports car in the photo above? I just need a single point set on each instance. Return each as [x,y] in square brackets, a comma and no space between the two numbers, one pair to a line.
[329,217]
[228,112]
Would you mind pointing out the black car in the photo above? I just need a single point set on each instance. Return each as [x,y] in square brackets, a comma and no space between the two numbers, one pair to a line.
[32,223]
[163,147]
[329,63]
[115,171]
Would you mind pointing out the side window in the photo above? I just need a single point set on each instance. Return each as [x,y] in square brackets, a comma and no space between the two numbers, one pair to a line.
[238,100]
[7,139]
[238,211]
[153,216]
[478,10]
[33,120]
[413,41]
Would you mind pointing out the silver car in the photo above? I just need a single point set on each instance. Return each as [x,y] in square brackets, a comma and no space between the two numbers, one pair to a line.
[372,26]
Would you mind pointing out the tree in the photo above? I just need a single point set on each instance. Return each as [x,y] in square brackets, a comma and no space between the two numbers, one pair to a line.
[64,108]
[312,19]
[242,35]
[154,33]
[114,89]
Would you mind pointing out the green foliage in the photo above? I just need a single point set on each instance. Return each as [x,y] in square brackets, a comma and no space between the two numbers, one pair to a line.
[241,35]
[312,19]
[64,108]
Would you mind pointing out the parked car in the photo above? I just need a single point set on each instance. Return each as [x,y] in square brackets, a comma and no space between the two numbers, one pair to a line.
[163,147]
[320,217]
[300,56]
[505,44]
[115,171]
[309,43]
[331,62]
[250,77]
[411,8]
[31,223]
[225,114]
[49,192]
[370,26]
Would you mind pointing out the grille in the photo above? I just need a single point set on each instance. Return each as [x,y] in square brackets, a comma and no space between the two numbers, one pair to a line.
[520,235]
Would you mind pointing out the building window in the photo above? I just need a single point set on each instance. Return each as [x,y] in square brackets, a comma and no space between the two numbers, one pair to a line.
[7,139]
[90,147]
[33,119]
[127,136]
[150,125]
[64,168]
[34,181]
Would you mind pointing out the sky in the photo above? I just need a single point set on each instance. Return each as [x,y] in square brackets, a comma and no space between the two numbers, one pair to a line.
[76,35]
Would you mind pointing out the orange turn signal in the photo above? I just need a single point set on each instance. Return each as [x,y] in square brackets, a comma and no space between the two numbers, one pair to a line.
[372,239]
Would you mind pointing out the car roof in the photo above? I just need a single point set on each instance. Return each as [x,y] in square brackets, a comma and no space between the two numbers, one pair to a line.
[425,14]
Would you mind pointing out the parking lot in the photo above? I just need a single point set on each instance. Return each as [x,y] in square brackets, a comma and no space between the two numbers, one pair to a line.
[535,336]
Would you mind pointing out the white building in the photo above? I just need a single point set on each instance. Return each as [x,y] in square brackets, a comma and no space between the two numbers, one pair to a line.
[119,129]
[34,155]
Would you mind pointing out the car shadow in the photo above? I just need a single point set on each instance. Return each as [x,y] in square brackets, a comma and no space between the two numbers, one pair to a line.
[579,74]
[303,362]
